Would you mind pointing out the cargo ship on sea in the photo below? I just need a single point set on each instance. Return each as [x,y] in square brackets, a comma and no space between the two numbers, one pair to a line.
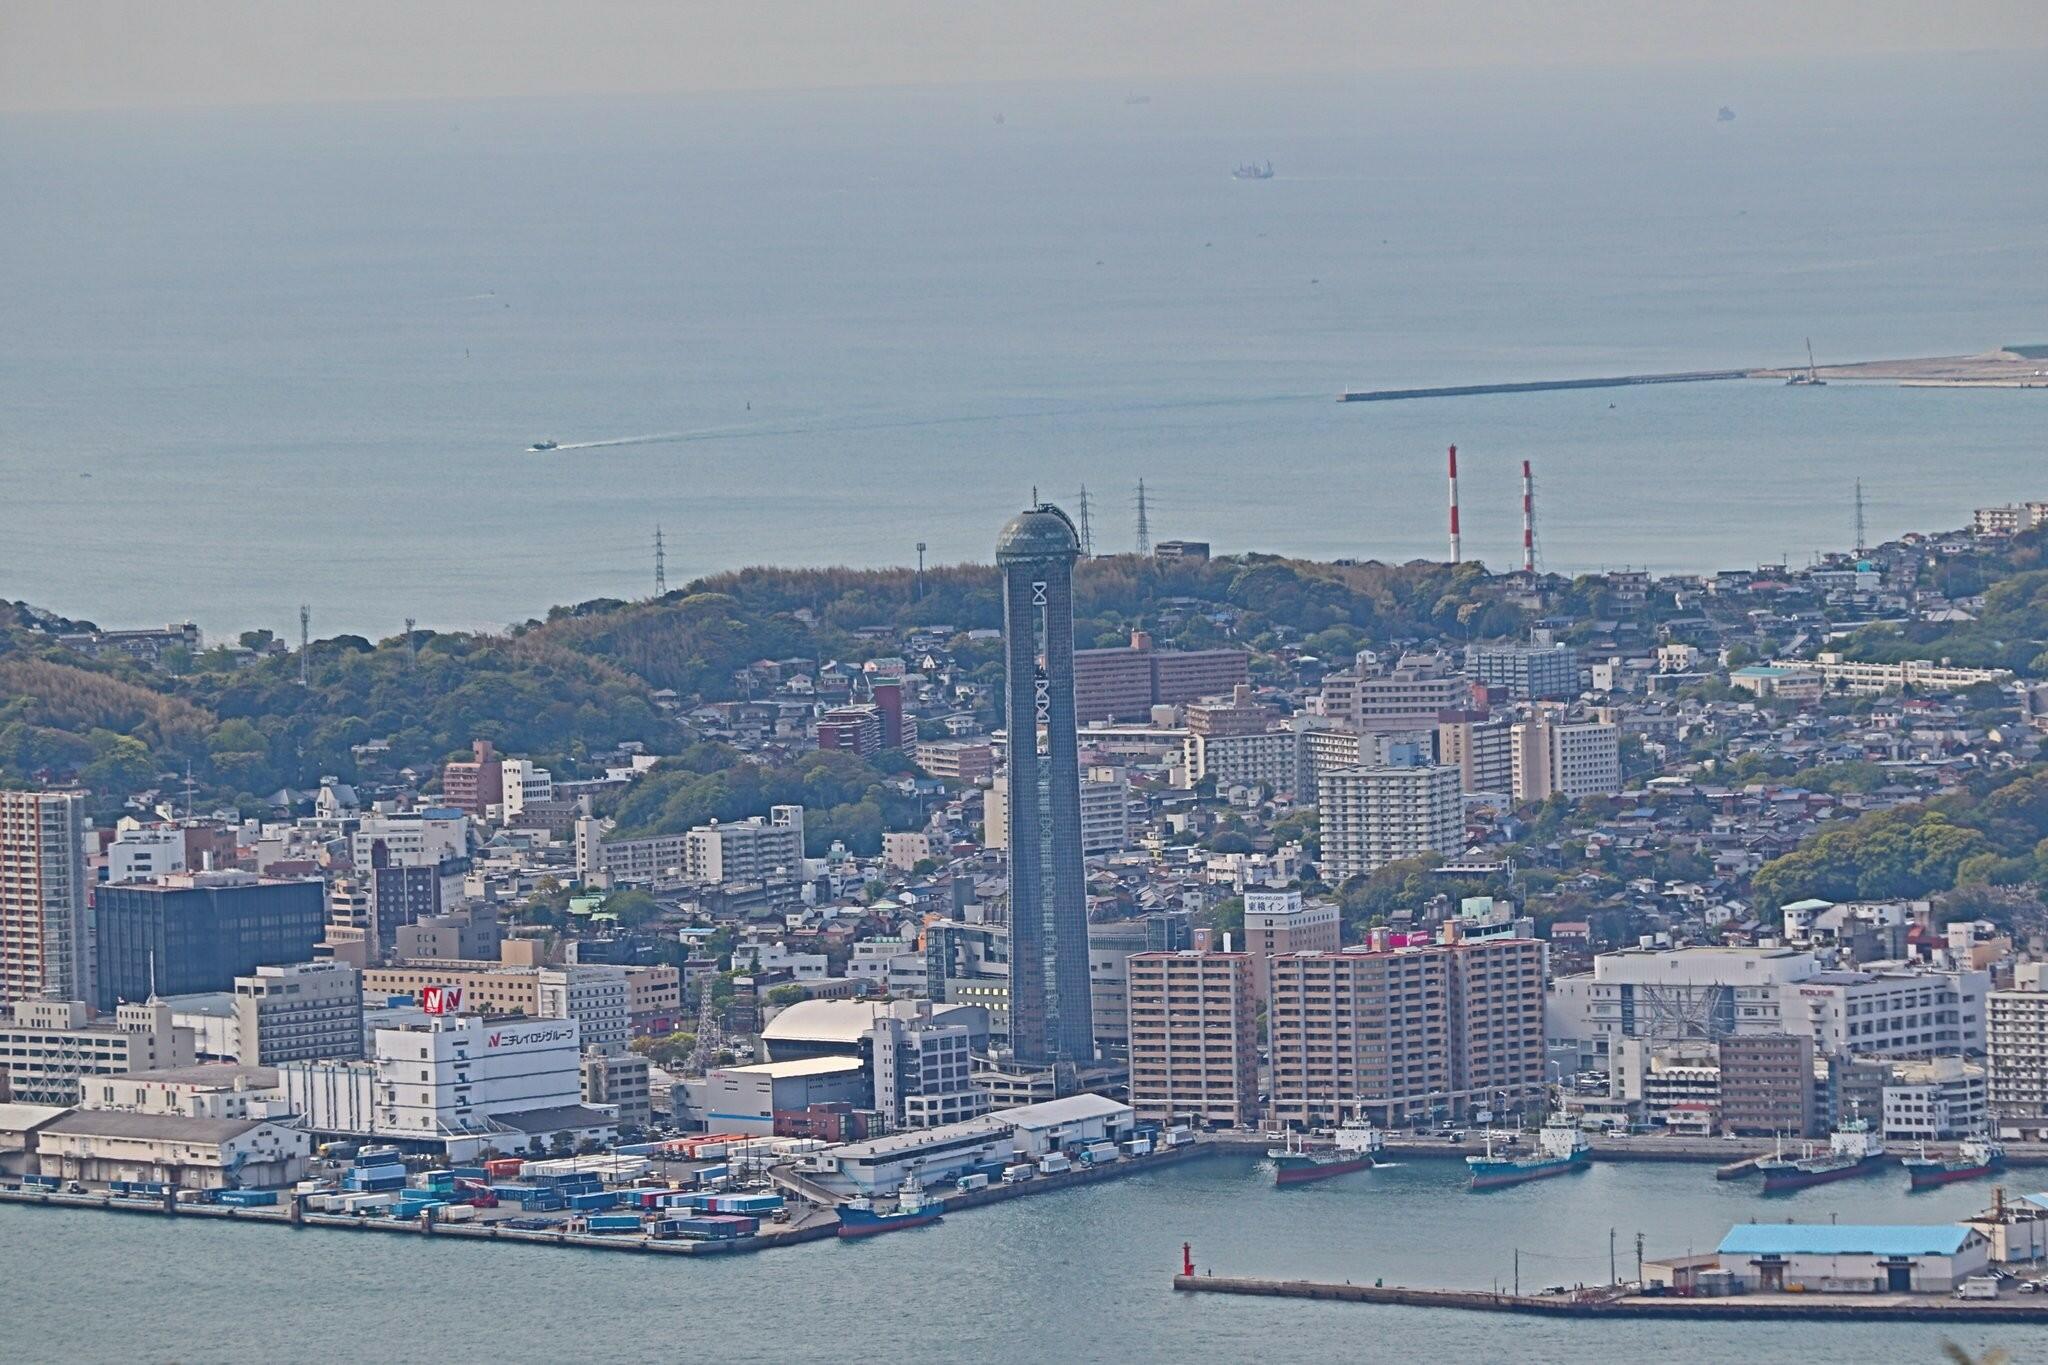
[1975,1156]
[860,1218]
[1560,1148]
[1353,1147]
[1853,1149]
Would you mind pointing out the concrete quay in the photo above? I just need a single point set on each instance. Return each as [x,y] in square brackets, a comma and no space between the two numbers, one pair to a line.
[1604,1303]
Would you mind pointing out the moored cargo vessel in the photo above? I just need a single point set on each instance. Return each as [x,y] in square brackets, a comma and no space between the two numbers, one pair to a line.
[1560,1148]
[860,1218]
[1354,1147]
[1975,1156]
[1853,1149]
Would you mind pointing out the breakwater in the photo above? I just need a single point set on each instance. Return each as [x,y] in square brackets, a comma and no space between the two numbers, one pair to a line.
[1619,381]
[1607,1304]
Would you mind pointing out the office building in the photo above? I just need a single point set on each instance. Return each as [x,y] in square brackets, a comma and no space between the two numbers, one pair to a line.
[1407,1034]
[49,1046]
[1935,1099]
[1232,714]
[1194,1045]
[1677,994]
[957,760]
[1767,1085]
[468,933]
[1050,1018]
[619,1080]
[198,931]
[301,1011]
[1375,816]
[595,997]
[1890,1011]
[1575,759]
[525,784]
[1525,672]
[1281,922]
[46,949]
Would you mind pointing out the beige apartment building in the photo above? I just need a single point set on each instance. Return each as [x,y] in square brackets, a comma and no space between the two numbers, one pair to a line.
[1194,1047]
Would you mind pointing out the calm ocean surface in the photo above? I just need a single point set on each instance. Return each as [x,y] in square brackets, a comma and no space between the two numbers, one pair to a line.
[257,358]
[1083,1275]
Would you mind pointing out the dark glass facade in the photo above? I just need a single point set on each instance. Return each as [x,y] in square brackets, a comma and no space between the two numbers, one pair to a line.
[1050,1014]
[201,937]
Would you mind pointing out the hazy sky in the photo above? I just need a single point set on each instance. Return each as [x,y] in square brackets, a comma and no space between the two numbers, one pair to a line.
[109,53]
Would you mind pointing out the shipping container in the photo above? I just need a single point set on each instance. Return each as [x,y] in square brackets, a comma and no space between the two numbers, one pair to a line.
[246,1199]
[455,1213]
[612,1222]
[504,1167]
[1100,1154]
[971,1182]
[1054,1163]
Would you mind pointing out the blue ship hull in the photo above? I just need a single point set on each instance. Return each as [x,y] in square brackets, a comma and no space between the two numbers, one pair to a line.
[868,1223]
[1493,1175]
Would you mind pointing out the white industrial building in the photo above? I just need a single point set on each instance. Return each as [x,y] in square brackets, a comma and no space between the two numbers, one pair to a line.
[51,1046]
[1890,1011]
[1851,1258]
[1674,994]
[1025,1133]
[108,1145]
[463,1083]
[1935,1100]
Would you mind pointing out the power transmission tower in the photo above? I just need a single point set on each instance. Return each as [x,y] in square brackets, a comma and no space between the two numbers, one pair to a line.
[1859,519]
[412,643]
[660,564]
[305,637]
[710,1035]
[1144,526]
[1087,539]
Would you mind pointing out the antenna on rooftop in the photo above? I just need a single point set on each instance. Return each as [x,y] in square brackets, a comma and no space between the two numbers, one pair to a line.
[660,564]
[305,637]
[1144,525]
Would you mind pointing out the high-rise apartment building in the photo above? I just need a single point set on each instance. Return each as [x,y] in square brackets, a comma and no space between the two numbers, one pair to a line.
[1572,759]
[474,784]
[746,850]
[1482,749]
[1050,1017]
[1407,1034]
[46,946]
[1375,816]
[1411,695]
[1194,1044]
[2017,1061]
[1126,683]
[1525,672]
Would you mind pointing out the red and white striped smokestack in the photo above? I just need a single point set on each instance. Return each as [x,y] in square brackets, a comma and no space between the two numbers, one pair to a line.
[1457,553]
[1528,521]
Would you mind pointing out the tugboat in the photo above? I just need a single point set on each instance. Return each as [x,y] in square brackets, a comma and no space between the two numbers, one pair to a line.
[545,445]
[1252,170]
[1352,1149]
[1560,1147]
[859,1217]
[1853,1149]
[1974,1156]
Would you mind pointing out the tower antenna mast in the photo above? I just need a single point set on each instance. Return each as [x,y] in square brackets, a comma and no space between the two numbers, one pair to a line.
[1144,525]
[660,564]
[305,637]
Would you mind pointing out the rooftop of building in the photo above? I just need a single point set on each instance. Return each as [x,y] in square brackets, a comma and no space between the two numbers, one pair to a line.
[921,1139]
[220,1075]
[21,1118]
[807,1066]
[561,1118]
[1053,1113]
[838,1021]
[1845,1239]
[118,1123]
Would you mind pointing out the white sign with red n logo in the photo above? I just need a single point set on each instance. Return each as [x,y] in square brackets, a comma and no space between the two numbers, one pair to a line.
[441,999]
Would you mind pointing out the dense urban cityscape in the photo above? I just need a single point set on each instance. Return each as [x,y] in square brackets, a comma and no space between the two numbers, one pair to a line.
[1328,862]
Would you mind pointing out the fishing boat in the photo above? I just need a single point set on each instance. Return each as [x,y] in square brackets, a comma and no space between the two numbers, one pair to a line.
[860,1217]
[1853,1149]
[1252,170]
[1353,1147]
[1560,1147]
[545,445]
[1975,1156]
